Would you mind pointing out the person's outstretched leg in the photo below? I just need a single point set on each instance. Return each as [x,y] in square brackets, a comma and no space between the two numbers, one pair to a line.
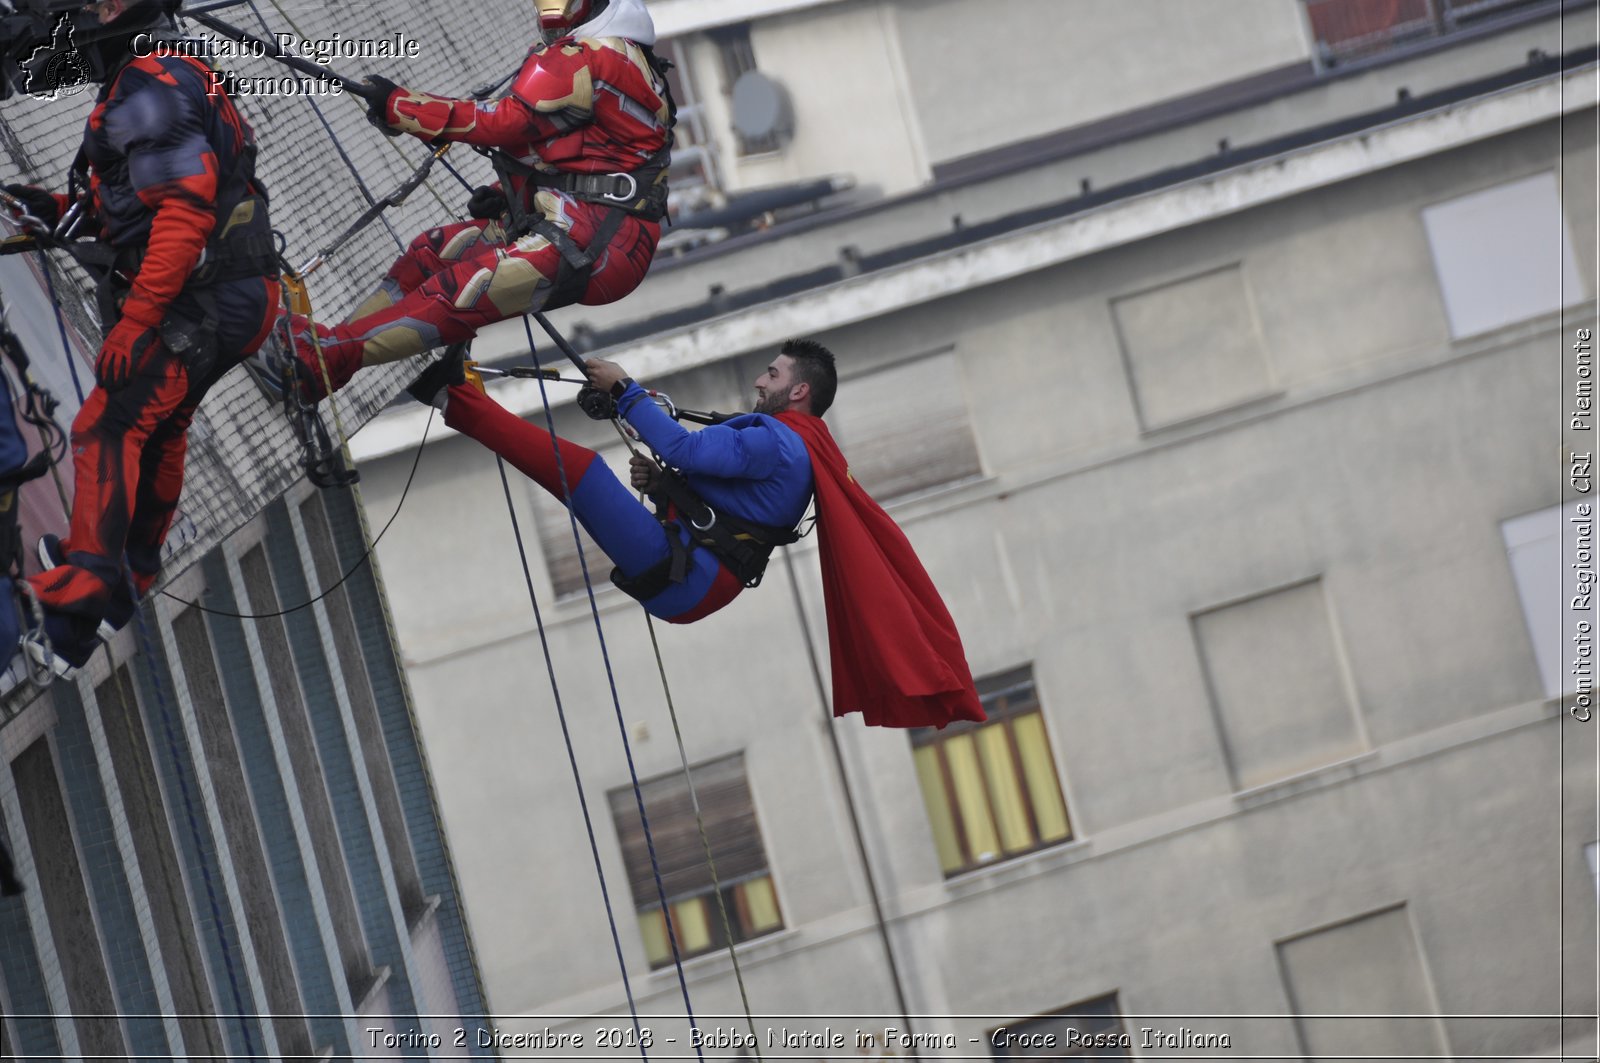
[486,283]
[432,252]
[618,522]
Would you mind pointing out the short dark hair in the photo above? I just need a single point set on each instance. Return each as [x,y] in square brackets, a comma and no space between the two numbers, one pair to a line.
[813,363]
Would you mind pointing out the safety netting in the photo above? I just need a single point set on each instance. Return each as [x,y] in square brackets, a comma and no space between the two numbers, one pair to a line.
[323,164]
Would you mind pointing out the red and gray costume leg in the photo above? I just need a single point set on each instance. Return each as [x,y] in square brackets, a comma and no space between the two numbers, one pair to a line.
[457,279]
[129,447]
[168,157]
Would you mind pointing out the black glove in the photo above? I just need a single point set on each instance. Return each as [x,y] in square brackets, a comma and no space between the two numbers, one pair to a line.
[40,204]
[487,202]
[598,404]
[437,377]
[376,92]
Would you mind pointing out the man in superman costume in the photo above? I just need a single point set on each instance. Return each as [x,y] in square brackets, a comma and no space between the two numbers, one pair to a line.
[896,655]
[584,137]
[190,287]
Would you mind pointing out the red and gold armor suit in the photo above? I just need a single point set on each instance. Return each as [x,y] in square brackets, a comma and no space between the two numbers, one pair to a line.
[578,106]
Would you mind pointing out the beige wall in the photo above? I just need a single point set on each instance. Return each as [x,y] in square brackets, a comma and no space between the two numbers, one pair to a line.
[842,69]
[983,75]
[1381,464]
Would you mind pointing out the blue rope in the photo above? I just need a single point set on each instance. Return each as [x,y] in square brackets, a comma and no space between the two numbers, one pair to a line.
[194,827]
[456,174]
[61,325]
[616,701]
[622,729]
[572,756]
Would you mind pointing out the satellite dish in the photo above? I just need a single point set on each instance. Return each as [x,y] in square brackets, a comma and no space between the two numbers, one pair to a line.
[761,108]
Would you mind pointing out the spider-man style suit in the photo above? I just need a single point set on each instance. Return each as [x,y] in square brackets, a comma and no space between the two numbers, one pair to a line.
[753,467]
[171,178]
[586,128]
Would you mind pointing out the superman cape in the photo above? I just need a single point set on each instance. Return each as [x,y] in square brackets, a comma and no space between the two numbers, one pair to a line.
[896,656]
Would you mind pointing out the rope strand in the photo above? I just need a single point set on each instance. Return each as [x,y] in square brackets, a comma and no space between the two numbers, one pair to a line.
[616,701]
[572,756]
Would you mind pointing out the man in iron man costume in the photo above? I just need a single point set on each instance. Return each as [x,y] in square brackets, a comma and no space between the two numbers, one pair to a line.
[583,137]
[189,287]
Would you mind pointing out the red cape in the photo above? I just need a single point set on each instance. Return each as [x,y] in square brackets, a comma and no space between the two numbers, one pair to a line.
[897,658]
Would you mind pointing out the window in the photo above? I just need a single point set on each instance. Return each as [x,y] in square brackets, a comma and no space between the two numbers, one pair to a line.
[735,838]
[882,420]
[1351,987]
[1354,29]
[694,173]
[1090,1030]
[1192,347]
[991,788]
[738,58]
[1539,557]
[1278,685]
[1347,30]
[1502,255]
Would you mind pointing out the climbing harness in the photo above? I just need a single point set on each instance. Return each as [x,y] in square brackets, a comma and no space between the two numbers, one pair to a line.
[36,408]
[323,461]
[722,907]
[640,192]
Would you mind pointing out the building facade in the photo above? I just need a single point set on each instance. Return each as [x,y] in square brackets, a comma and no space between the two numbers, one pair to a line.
[1225,406]
[225,829]
[225,825]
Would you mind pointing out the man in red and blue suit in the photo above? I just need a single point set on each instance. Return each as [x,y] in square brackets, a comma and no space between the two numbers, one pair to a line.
[896,654]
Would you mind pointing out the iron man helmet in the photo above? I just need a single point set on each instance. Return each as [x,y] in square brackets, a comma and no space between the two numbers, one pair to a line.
[560,16]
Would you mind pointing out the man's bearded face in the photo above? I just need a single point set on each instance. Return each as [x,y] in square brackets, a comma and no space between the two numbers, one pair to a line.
[774,385]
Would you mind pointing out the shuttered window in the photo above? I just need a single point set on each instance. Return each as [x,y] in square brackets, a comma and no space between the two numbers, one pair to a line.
[692,899]
[1347,30]
[1091,1030]
[906,428]
[555,534]
[991,789]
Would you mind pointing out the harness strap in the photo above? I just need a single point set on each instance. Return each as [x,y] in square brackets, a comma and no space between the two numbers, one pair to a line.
[641,192]
[742,546]
[674,568]
[580,259]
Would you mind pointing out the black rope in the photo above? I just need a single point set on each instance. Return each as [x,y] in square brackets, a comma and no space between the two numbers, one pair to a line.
[338,146]
[611,680]
[572,756]
[360,562]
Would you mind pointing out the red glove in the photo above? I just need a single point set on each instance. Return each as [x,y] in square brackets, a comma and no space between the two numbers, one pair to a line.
[127,347]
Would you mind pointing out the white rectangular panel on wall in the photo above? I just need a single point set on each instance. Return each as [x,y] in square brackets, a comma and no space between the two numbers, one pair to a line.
[1502,255]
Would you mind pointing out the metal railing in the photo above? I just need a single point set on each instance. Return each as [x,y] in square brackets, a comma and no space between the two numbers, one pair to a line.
[1346,31]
